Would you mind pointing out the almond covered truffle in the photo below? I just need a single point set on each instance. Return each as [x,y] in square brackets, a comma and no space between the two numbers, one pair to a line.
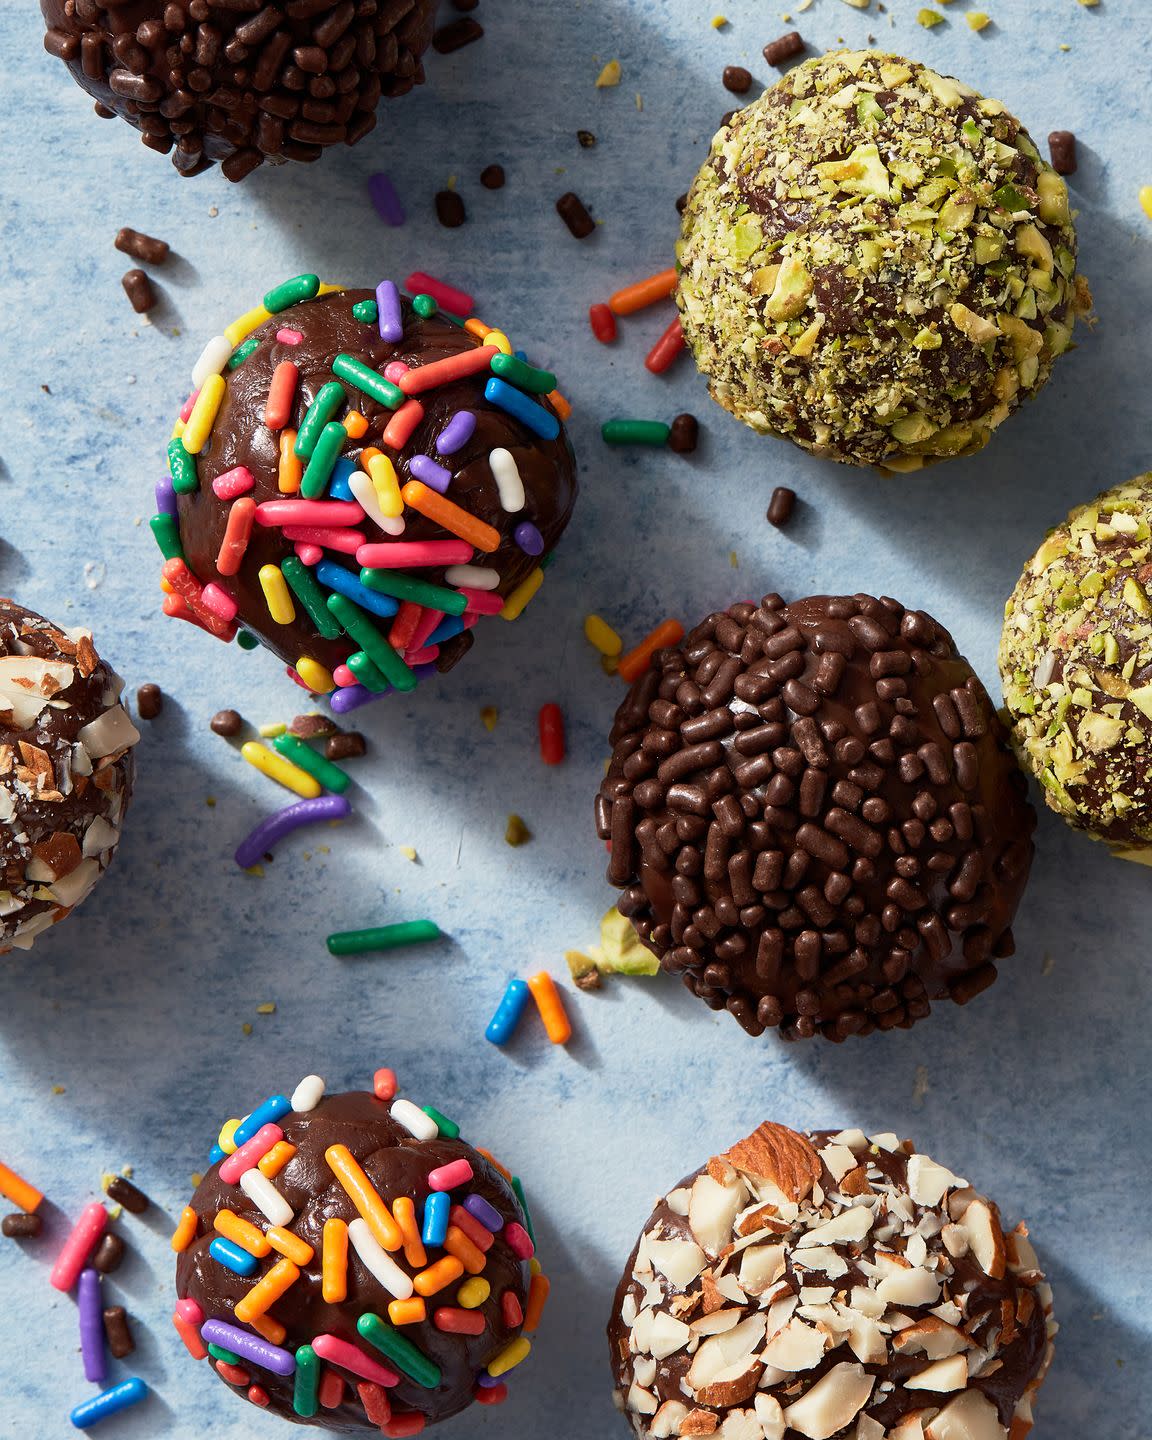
[831,1287]
[877,263]
[66,771]
[815,817]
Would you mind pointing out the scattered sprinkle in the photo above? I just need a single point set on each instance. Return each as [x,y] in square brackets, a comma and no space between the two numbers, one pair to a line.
[516,832]
[978,20]
[490,716]
[928,18]
[609,75]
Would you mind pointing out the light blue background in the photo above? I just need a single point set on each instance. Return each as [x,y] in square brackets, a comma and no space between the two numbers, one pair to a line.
[1037,1091]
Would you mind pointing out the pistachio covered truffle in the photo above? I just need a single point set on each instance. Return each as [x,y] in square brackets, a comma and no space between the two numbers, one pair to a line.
[877,263]
[1076,661]
[831,1286]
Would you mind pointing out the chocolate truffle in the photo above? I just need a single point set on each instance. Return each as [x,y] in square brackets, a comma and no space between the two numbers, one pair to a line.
[829,1285]
[877,263]
[348,1262]
[236,81]
[815,817]
[1076,662]
[360,481]
[66,771]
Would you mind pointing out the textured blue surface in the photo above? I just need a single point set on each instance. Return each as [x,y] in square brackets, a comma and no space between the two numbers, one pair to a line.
[1037,1091]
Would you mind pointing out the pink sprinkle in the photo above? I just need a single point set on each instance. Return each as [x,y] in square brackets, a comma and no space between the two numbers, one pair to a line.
[394,369]
[190,1311]
[483,602]
[79,1245]
[218,601]
[344,677]
[188,404]
[459,302]
[422,657]
[308,554]
[384,1084]
[292,675]
[405,553]
[329,538]
[289,337]
[350,1357]
[309,512]
[448,1177]
[519,1241]
[233,482]
[234,1165]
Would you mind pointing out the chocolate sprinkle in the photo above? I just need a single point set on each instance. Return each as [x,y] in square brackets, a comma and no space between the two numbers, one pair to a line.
[455,35]
[781,505]
[149,701]
[684,434]
[117,1333]
[141,247]
[227,723]
[345,746]
[737,79]
[109,1254]
[123,1192]
[21,1226]
[492,177]
[779,52]
[572,211]
[450,209]
[139,290]
[1062,149]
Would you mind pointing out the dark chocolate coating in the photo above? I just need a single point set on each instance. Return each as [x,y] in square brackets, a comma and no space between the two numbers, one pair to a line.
[815,817]
[397,1164]
[240,437]
[52,790]
[241,81]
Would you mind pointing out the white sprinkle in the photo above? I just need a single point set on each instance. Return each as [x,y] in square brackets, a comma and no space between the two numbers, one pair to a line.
[414,1120]
[308,1094]
[213,358]
[472,577]
[365,492]
[508,481]
[265,1196]
[380,1265]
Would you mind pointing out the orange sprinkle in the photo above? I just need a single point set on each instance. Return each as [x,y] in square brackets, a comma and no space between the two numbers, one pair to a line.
[407,1312]
[487,1154]
[470,1256]
[241,1232]
[355,424]
[237,533]
[450,516]
[334,1266]
[13,1188]
[185,1231]
[190,1335]
[364,1196]
[281,394]
[291,469]
[271,1164]
[551,1008]
[538,1288]
[443,372]
[285,1243]
[559,404]
[633,664]
[267,1290]
[477,328]
[404,421]
[438,1276]
[271,1329]
[643,293]
[404,1210]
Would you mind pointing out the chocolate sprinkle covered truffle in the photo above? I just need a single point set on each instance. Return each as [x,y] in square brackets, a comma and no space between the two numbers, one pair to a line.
[815,817]
[877,263]
[1076,662]
[238,81]
[66,771]
[348,1262]
[360,482]
[832,1287]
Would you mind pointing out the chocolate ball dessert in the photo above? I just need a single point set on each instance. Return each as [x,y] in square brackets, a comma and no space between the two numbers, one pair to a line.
[66,771]
[349,1262]
[238,81]
[815,817]
[1076,662]
[831,1286]
[877,263]
[358,480]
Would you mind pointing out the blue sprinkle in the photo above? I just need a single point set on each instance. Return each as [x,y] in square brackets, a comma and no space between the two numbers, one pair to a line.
[451,625]
[345,583]
[267,1114]
[338,488]
[109,1402]
[508,1012]
[436,1211]
[215,1155]
[232,1257]
[540,421]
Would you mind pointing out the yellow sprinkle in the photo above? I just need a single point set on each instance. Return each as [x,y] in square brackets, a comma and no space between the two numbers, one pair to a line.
[1089,4]
[534,1267]
[516,832]
[610,75]
[610,664]
[203,415]
[517,602]
[1065,48]
[409,853]
[733,559]
[177,430]
[386,485]
[268,1008]
[246,1028]
[473,1293]
[500,340]
[490,715]
[277,595]
[269,763]
[315,676]
[196,1178]
[977,20]
[718,22]
[510,1356]
[270,732]
[1146,200]
[257,870]
[243,325]
[210,801]
[639,106]
[327,288]
[227,1137]
[601,635]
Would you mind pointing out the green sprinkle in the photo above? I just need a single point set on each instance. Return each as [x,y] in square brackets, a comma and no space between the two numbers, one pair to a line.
[182,468]
[246,640]
[307,1371]
[218,1352]
[366,311]
[329,775]
[241,353]
[166,533]
[403,1354]
[367,673]
[518,1188]
[424,305]
[328,400]
[522,375]
[383,937]
[548,560]
[359,625]
[408,587]
[308,592]
[325,453]
[635,432]
[449,1130]
[292,292]
[365,379]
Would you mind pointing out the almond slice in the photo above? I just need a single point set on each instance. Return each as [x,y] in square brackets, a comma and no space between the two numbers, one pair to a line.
[932,1337]
[668,1420]
[928,1182]
[942,1376]
[832,1403]
[699,1422]
[712,1211]
[795,1348]
[679,1261]
[780,1156]
[971,1416]
[727,1359]
[985,1237]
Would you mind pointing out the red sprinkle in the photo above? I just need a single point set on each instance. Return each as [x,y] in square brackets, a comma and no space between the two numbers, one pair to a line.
[511,1310]
[374,1398]
[330,1391]
[459,1322]
[404,421]
[480,1235]
[258,1396]
[400,1426]
[404,626]
[442,372]
[603,323]
[459,302]
[667,349]
[552,748]
[384,1084]
[234,1374]
[490,1394]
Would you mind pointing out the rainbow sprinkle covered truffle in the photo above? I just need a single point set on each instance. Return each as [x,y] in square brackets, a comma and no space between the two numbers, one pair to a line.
[350,1262]
[358,478]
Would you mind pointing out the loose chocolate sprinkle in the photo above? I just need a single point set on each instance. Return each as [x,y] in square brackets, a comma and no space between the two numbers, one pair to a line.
[141,246]
[781,505]
[123,1192]
[586,138]
[778,52]
[312,727]
[450,209]
[683,434]
[117,1333]
[455,35]
[345,746]
[109,1253]
[149,701]
[681,203]
[571,210]
[737,79]
[1062,149]
[227,723]
[492,177]
[21,1226]
[139,290]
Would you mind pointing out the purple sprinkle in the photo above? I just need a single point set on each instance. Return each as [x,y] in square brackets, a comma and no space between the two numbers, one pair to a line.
[457,432]
[529,538]
[385,199]
[351,697]
[390,315]
[487,1215]
[248,1346]
[165,496]
[91,1313]
[270,831]
[488,1382]
[423,467]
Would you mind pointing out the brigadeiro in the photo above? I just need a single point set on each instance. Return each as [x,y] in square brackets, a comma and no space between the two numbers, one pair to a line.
[1076,663]
[239,82]
[877,263]
[835,1286]
[815,817]
[66,769]
[349,1262]
[359,479]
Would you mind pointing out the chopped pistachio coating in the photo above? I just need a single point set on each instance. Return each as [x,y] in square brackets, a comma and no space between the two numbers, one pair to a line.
[877,263]
[1076,662]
